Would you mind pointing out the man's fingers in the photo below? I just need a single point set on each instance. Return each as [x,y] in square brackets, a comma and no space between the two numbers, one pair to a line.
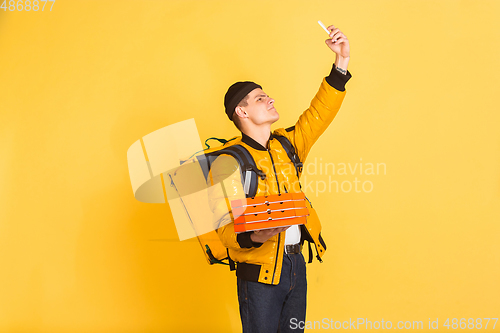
[272,231]
[278,230]
[338,35]
[331,27]
[269,232]
[284,228]
[264,234]
[333,32]
[340,40]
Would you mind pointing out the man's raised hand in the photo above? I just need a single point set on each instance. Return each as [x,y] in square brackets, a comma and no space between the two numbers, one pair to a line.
[338,42]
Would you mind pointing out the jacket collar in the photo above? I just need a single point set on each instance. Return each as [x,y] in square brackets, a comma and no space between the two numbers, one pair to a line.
[252,143]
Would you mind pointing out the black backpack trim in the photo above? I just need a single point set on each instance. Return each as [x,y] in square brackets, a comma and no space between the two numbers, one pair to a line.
[214,260]
[245,161]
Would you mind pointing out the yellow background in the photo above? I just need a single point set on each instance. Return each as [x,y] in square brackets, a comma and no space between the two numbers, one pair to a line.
[81,83]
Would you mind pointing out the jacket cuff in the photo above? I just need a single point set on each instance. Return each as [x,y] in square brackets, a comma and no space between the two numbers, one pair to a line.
[245,241]
[338,80]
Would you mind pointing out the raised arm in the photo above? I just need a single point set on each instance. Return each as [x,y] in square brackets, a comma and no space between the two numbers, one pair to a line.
[326,104]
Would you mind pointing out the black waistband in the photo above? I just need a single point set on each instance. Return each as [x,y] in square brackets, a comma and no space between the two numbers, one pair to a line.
[293,249]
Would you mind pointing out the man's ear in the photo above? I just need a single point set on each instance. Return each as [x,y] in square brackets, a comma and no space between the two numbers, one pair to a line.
[240,112]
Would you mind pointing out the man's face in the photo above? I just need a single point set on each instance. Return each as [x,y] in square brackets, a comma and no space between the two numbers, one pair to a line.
[260,108]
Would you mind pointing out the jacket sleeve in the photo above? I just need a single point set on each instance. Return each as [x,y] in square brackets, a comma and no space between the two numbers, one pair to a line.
[224,185]
[315,120]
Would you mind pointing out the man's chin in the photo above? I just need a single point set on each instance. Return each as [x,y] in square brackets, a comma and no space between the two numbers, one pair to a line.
[276,117]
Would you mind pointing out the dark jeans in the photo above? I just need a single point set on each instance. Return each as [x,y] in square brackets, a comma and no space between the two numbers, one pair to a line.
[270,308]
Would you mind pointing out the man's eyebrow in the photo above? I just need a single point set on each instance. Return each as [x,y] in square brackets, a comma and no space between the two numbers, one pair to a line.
[261,95]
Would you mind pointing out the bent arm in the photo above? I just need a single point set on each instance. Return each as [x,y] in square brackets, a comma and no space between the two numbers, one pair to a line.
[224,186]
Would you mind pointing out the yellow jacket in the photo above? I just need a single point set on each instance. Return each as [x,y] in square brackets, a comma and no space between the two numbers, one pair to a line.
[262,262]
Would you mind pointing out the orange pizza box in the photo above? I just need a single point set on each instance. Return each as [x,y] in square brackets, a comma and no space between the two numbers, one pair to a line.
[259,208]
[271,215]
[263,199]
[269,224]
[271,211]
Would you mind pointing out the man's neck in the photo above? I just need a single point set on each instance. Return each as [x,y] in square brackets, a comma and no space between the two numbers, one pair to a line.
[259,134]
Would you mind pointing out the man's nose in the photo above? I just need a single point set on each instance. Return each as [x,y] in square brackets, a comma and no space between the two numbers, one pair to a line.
[271,100]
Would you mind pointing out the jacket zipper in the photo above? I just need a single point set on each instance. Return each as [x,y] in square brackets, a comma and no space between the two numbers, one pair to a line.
[277,255]
[275,174]
[279,235]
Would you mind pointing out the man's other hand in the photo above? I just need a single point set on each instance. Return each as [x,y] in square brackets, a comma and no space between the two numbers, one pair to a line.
[260,236]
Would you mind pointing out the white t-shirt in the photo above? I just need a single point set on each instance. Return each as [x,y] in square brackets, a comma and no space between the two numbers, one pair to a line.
[292,235]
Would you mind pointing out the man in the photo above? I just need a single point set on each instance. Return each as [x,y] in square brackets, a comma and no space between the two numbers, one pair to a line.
[270,269]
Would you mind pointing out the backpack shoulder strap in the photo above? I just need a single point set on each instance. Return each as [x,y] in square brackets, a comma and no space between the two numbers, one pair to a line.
[290,151]
[249,170]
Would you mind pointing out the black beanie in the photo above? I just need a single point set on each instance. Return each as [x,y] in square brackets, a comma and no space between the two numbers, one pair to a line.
[235,94]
